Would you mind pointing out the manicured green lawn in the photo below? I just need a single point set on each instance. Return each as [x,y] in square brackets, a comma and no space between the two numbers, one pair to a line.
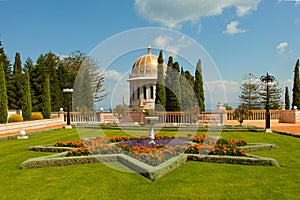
[194,180]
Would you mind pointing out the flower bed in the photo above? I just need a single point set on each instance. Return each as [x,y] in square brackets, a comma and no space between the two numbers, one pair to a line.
[158,151]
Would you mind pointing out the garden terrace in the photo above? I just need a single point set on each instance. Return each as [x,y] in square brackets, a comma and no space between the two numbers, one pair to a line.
[98,180]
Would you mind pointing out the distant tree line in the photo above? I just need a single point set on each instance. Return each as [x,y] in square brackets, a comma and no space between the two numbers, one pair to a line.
[254,95]
[178,90]
[38,87]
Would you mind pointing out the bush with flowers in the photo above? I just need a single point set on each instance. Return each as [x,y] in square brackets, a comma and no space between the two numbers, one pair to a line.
[154,153]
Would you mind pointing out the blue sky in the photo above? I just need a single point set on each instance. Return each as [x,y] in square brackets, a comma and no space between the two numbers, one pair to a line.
[241,37]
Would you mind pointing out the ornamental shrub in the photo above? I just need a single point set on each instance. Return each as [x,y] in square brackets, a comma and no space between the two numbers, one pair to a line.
[15,118]
[36,116]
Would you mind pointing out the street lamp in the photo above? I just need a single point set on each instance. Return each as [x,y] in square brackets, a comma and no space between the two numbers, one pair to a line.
[68,90]
[267,81]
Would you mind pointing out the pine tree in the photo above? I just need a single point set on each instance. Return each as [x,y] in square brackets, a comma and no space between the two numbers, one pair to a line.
[8,72]
[15,92]
[46,98]
[296,87]
[274,95]
[198,88]
[88,87]
[36,76]
[26,106]
[160,93]
[287,98]
[83,98]
[51,63]
[250,92]
[18,64]
[3,96]
[6,63]
[63,79]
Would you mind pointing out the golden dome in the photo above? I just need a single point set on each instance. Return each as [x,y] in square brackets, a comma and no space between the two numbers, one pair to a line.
[145,66]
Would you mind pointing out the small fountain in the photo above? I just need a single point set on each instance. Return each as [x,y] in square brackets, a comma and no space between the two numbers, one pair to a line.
[151,120]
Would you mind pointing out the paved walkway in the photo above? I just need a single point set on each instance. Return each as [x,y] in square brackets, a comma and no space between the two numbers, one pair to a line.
[275,125]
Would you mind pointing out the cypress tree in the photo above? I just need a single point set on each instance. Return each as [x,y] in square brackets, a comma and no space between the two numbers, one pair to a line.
[46,99]
[160,93]
[198,88]
[296,87]
[26,106]
[168,82]
[287,98]
[174,100]
[187,91]
[3,96]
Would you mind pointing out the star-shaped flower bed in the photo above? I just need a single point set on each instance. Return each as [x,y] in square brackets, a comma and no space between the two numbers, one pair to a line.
[151,158]
[157,151]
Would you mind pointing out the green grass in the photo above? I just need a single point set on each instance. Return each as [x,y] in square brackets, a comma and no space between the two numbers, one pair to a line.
[194,180]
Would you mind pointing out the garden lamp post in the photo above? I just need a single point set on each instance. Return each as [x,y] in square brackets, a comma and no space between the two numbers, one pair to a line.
[68,90]
[267,81]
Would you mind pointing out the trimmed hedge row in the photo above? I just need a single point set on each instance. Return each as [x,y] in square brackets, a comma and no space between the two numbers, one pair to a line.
[287,133]
[251,147]
[249,160]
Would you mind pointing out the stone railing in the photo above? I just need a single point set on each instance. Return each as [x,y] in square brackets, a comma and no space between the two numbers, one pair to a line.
[215,117]
[257,114]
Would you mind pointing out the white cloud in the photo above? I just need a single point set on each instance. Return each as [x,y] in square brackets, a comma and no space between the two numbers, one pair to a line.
[112,75]
[281,47]
[232,28]
[170,44]
[297,21]
[172,13]
[223,91]
[286,83]
[297,2]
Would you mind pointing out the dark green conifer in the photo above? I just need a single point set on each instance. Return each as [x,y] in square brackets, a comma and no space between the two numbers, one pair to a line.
[18,64]
[3,96]
[6,63]
[46,98]
[174,98]
[287,98]
[26,105]
[15,86]
[296,87]
[160,94]
[187,91]
[198,88]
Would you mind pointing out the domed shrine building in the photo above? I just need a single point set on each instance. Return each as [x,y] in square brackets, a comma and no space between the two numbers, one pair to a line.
[142,80]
